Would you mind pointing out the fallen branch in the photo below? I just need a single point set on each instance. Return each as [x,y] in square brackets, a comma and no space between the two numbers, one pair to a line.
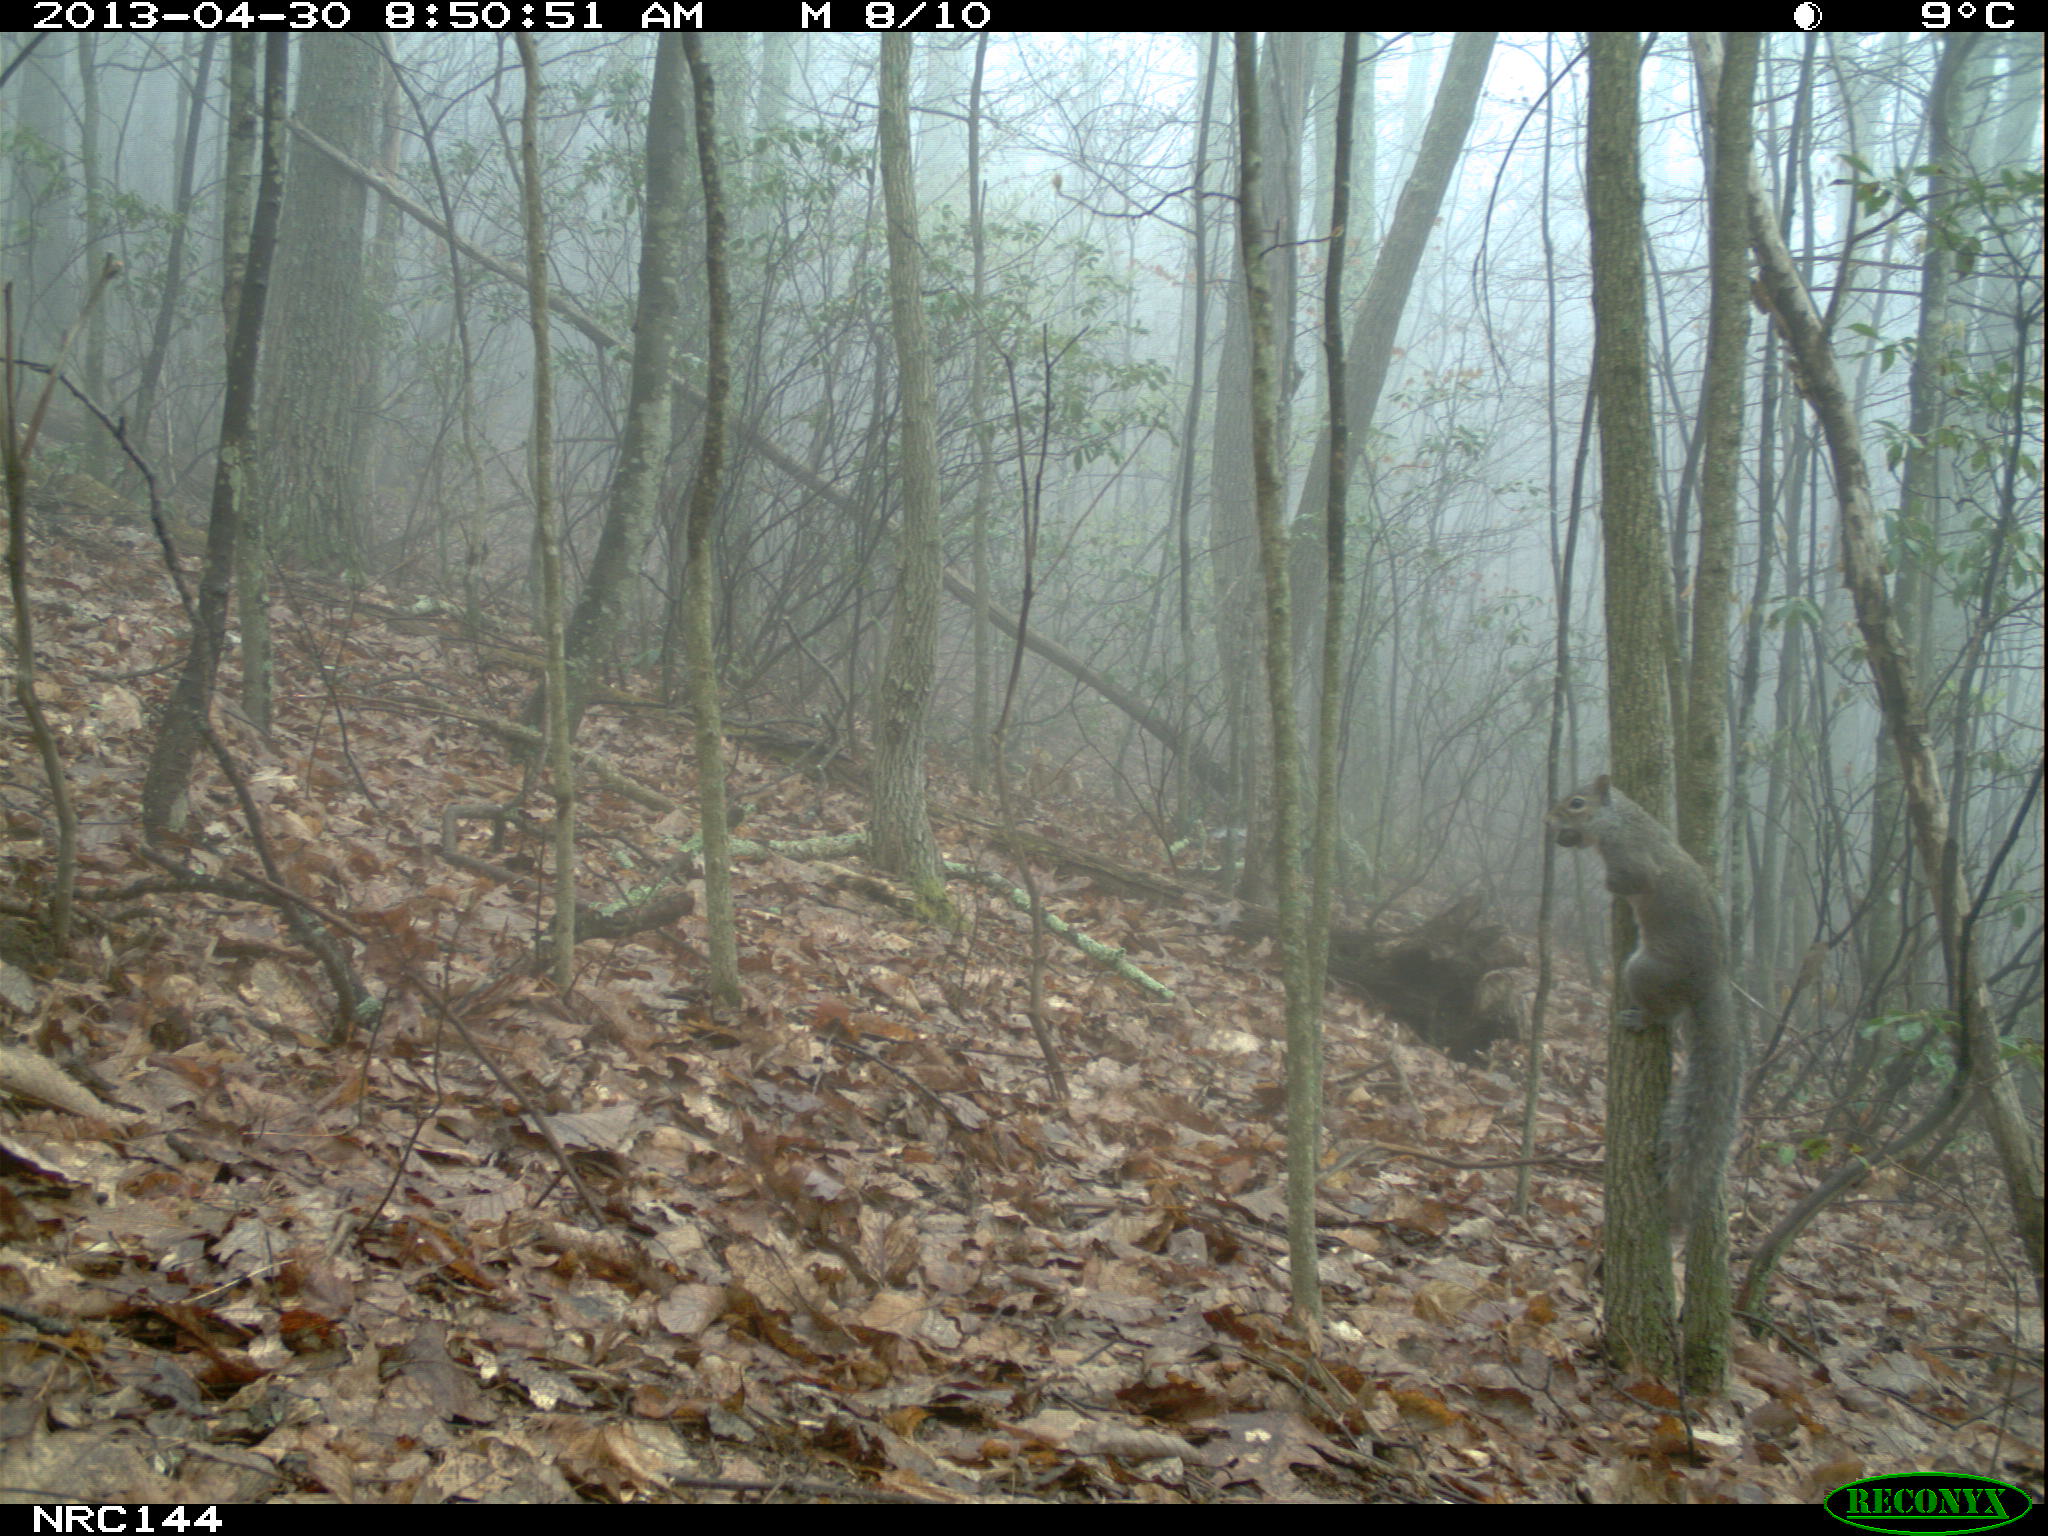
[29,1076]
[1094,949]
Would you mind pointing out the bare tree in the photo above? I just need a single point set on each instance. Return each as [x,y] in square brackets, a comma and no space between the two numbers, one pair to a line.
[643,442]
[901,830]
[547,537]
[1638,1289]
[177,743]
[711,814]
[1702,739]
[1304,996]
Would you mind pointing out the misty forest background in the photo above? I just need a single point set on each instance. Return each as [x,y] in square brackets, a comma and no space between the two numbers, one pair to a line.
[1084,451]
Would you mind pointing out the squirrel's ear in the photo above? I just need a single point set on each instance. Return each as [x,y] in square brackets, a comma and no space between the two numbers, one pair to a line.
[1601,785]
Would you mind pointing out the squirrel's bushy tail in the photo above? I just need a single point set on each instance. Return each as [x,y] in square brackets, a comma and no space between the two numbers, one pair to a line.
[1704,1110]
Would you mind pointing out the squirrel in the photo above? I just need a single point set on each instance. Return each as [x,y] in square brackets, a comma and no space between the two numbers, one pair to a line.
[1680,965]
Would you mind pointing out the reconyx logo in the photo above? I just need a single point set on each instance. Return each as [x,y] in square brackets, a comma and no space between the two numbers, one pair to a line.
[1919,1502]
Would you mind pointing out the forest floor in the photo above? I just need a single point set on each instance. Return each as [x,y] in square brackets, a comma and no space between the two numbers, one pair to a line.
[846,1244]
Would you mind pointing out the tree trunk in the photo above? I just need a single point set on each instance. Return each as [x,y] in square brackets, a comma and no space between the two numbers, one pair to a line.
[200,57]
[901,830]
[1638,1293]
[983,766]
[546,536]
[170,761]
[1304,1004]
[312,461]
[722,942]
[1702,748]
[1371,346]
[643,444]
[1233,520]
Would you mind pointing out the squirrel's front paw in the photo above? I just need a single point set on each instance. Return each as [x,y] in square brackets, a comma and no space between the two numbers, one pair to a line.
[1632,1019]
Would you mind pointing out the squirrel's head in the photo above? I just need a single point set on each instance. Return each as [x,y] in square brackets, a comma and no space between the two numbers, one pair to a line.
[1567,818]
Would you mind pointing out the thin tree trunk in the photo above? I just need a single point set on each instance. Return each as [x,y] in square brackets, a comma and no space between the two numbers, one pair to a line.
[170,761]
[1304,1014]
[1371,346]
[1706,1319]
[560,769]
[984,436]
[19,446]
[901,833]
[643,444]
[1183,698]
[1304,1008]
[181,232]
[718,916]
